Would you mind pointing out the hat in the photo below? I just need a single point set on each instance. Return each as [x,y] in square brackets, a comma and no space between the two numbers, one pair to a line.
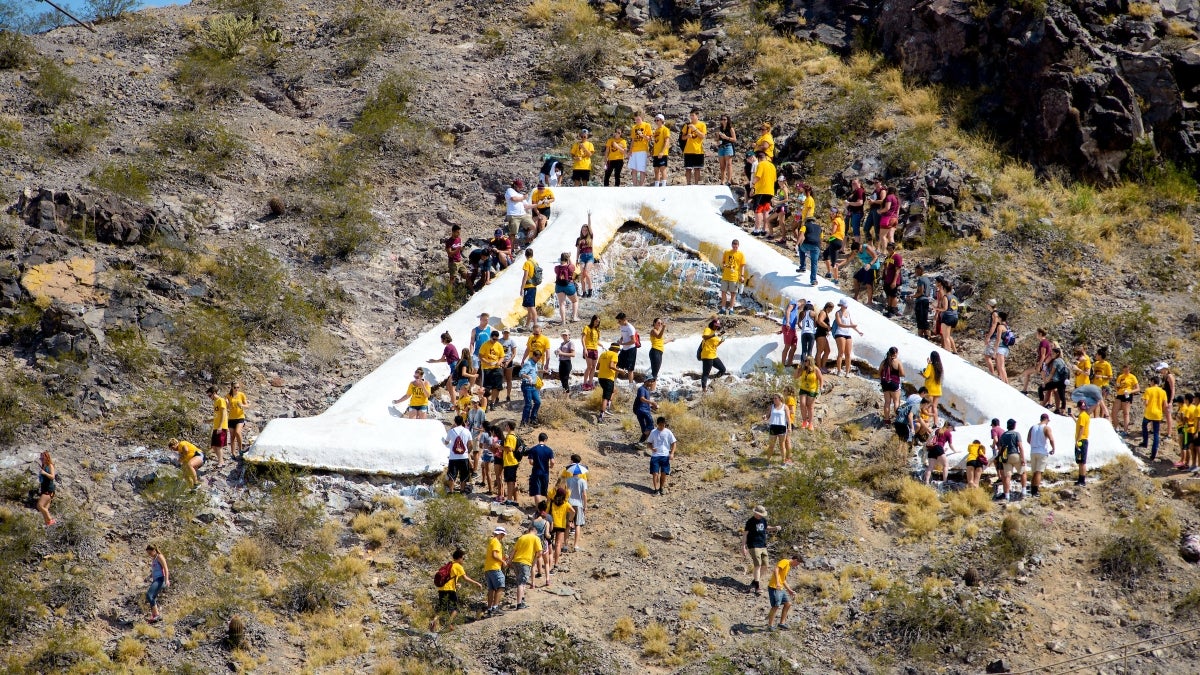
[614,345]
[843,303]
[474,399]
[518,183]
[502,330]
[499,530]
[760,510]
[584,131]
[499,232]
[567,333]
[1161,365]
[991,302]
[660,117]
[650,379]
[749,153]
[808,305]
[835,209]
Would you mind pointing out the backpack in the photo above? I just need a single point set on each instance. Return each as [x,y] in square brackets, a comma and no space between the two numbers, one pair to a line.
[637,340]
[1008,338]
[699,348]
[520,451]
[1061,372]
[536,279]
[1005,446]
[442,576]
[458,448]
[562,274]
[902,413]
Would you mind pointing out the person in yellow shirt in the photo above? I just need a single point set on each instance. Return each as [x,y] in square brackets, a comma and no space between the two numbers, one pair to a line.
[606,375]
[1154,402]
[237,419]
[639,148]
[591,351]
[1083,424]
[540,344]
[526,549]
[661,147]
[764,191]
[1082,367]
[220,425]
[493,572]
[733,275]
[530,272]
[541,198]
[835,242]
[1102,375]
[447,602]
[491,363]
[933,382]
[616,151]
[581,155]
[780,593]
[694,133]
[510,462]
[417,395]
[1191,422]
[190,459]
[709,341]
[1126,386]
[976,461]
[562,514]
[658,342]
[765,142]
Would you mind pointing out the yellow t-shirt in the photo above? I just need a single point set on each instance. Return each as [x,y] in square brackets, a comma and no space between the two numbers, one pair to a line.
[662,141]
[1081,427]
[220,414]
[539,194]
[1154,398]
[709,343]
[769,142]
[491,354]
[934,387]
[494,550]
[186,451]
[528,269]
[456,573]
[780,575]
[764,178]
[582,153]
[1192,415]
[591,338]
[640,134]
[616,148]
[527,546]
[1084,364]
[464,401]
[808,381]
[540,343]
[657,342]
[694,145]
[606,367]
[558,514]
[237,404]
[731,265]
[417,395]
[1126,383]
[976,451]
[509,457]
[839,228]
[809,208]
[791,408]
[1101,373]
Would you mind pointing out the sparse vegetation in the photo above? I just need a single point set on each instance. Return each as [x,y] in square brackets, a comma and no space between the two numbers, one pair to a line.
[77,135]
[807,493]
[199,141]
[211,339]
[127,178]
[16,51]
[921,623]
[131,349]
[450,521]
[54,86]
[107,10]
[1133,549]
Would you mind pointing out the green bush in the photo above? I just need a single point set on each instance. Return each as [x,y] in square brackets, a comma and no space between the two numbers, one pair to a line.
[1129,335]
[1188,607]
[10,131]
[384,109]
[313,584]
[156,415]
[923,623]
[439,298]
[75,136]
[450,521]
[17,395]
[16,51]
[1131,552]
[106,10]
[130,348]
[259,10]
[1017,539]
[16,486]
[226,34]
[54,86]
[129,178]
[204,143]
[344,225]
[289,521]
[172,497]
[212,341]
[808,492]
[369,28]
[649,290]
[205,76]
[249,273]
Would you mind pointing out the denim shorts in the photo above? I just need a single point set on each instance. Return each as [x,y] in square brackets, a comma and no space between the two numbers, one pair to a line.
[567,289]
[586,258]
[778,597]
[660,465]
[725,150]
[494,580]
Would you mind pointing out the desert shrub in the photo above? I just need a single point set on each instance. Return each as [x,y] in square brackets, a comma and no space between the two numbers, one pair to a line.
[161,414]
[249,273]
[1188,606]
[16,51]
[128,178]
[226,34]
[439,297]
[61,651]
[205,76]
[77,135]
[13,415]
[171,496]
[314,585]
[1134,548]
[450,521]
[969,502]
[289,521]
[212,340]
[622,630]
[200,140]
[129,650]
[369,27]
[384,109]
[16,486]
[550,650]
[648,291]
[10,130]
[106,10]
[919,507]
[130,348]
[343,226]
[20,533]
[922,623]
[256,9]
[571,105]
[1017,539]
[54,86]
[1129,335]
[808,492]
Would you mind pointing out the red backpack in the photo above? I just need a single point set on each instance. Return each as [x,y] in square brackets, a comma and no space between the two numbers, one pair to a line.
[442,576]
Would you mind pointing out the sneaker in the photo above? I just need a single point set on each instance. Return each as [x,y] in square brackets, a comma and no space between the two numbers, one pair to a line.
[1180,465]
[1195,469]
[754,584]
[782,626]
[770,629]
[52,523]
[521,605]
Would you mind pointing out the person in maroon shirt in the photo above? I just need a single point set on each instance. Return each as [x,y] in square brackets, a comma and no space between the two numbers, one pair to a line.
[892,266]
[454,245]
[1045,351]
[854,208]
[889,218]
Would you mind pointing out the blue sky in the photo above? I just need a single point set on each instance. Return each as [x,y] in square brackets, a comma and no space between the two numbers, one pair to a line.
[81,5]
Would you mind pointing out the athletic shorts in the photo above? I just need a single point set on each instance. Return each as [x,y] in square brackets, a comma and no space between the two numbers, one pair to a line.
[459,469]
[889,386]
[1125,398]
[890,290]
[627,359]
[1081,449]
[418,408]
[1037,462]
[580,521]
[778,597]
[833,249]
[660,465]
[568,289]
[494,580]
[447,601]
[233,424]
[493,378]
[538,484]
[659,162]
[544,212]
[606,388]
[521,574]
[220,438]
[510,473]
[950,318]
[789,336]
[887,222]
[592,354]
[932,452]
[977,463]
[761,203]
[778,429]
[693,160]
[581,175]
[529,297]
[902,431]
[810,394]
[729,286]
[865,276]
[637,161]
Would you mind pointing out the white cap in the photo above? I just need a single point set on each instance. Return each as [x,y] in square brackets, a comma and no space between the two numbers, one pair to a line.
[659,116]
[843,303]
[1161,365]
[499,530]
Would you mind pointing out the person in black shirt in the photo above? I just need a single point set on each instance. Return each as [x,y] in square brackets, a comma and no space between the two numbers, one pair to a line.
[755,546]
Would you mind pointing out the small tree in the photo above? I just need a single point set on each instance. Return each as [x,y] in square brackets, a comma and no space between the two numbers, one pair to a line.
[106,10]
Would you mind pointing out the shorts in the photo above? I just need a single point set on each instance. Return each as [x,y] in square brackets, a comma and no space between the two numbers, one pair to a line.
[538,483]
[730,287]
[660,465]
[493,378]
[932,452]
[581,175]
[220,438]
[902,431]
[568,289]
[461,383]
[517,222]
[1125,398]
[494,580]
[887,222]
[778,429]
[418,408]
[761,203]
[921,312]
[659,162]
[529,297]
[977,463]
[1037,462]
[457,269]
[543,212]
[950,318]
[637,161]
[606,388]
[487,457]
[725,150]
[591,354]
[890,291]
[510,473]
[789,336]
[1081,449]
[580,521]
[693,160]
[522,574]
[586,258]
[627,359]
[778,597]
[759,557]
[810,394]
[889,386]
[833,249]
[447,601]
[865,276]
[1014,460]
[1002,351]
[459,469]
[233,424]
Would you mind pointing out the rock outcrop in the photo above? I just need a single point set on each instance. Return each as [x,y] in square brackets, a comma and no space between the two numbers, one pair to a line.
[111,219]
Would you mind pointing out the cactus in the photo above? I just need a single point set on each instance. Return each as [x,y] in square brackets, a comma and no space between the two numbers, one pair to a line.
[236,637]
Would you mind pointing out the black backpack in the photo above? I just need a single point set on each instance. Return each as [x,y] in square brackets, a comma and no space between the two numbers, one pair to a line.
[520,451]
[536,279]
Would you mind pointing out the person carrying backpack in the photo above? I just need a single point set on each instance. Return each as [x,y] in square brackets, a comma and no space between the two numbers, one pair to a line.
[1010,456]
[1056,387]
[446,581]
[458,439]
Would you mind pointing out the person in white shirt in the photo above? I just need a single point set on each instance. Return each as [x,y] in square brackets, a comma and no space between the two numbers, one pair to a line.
[577,488]
[663,442]
[458,440]
[515,214]
[1041,446]
[627,359]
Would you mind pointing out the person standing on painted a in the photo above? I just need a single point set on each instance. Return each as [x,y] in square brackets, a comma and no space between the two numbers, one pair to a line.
[733,275]
[764,191]
[531,277]
[694,133]
[639,149]
[661,149]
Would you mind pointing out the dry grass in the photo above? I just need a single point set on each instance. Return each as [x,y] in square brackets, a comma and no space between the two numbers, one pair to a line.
[641,551]
[969,502]
[713,474]
[654,641]
[622,630]
[568,18]
[919,508]
[1180,29]
[1141,10]
[129,650]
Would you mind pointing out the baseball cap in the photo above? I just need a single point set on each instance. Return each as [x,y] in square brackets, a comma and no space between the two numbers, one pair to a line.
[1161,365]
[760,510]
[499,232]
[614,345]
[749,153]
[584,131]
[499,530]
[518,183]
[659,116]
[991,302]
[567,333]
[504,330]
[843,303]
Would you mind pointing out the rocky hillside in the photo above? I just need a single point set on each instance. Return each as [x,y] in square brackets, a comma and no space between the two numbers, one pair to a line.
[253,190]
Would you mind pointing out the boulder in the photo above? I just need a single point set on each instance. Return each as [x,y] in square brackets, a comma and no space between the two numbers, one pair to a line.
[706,60]
[112,219]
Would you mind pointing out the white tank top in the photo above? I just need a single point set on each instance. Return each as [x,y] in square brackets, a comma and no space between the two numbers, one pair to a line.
[1037,440]
[778,416]
[807,325]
